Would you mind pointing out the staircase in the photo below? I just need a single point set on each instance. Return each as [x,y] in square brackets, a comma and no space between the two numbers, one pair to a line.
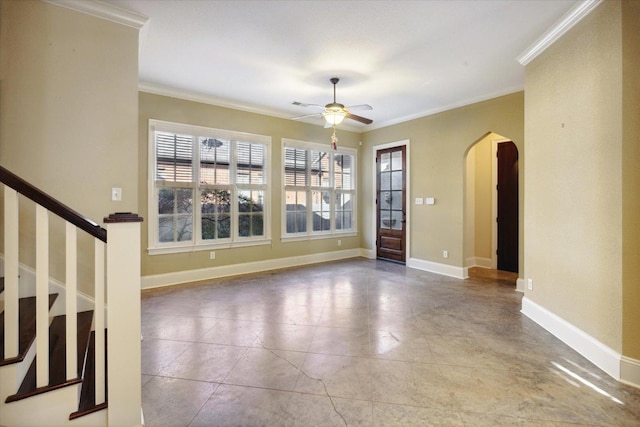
[53,338]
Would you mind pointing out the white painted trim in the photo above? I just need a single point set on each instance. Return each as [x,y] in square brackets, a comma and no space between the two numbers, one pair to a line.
[438,268]
[374,177]
[105,11]
[178,277]
[186,95]
[599,354]
[479,262]
[630,371]
[568,20]
[463,103]
[368,253]
[520,285]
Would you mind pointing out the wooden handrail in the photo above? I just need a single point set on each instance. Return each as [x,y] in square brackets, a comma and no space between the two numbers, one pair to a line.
[51,204]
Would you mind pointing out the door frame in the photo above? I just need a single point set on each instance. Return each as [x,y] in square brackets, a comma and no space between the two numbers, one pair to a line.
[374,177]
[494,207]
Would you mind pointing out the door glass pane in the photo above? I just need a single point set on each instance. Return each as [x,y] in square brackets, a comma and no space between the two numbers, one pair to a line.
[396,161]
[396,220]
[396,200]
[385,181]
[396,180]
[386,220]
[385,199]
[385,162]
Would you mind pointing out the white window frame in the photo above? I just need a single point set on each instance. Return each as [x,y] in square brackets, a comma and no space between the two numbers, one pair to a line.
[309,234]
[155,247]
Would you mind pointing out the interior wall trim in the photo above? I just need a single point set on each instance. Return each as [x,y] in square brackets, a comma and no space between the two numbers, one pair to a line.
[438,268]
[104,11]
[568,20]
[630,371]
[621,368]
[178,277]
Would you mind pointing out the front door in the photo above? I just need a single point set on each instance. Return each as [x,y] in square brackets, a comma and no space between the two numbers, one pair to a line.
[390,204]
[508,207]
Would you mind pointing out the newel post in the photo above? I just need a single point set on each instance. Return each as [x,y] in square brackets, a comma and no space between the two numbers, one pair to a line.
[123,319]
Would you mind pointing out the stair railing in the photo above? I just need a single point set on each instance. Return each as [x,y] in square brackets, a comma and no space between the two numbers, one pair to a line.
[117,271]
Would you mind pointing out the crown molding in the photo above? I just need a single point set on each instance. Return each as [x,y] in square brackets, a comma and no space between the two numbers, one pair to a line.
[156,89]
[104,11]
[571,18]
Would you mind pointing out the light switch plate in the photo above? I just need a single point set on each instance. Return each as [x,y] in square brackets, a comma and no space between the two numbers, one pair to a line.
[418,200]
[430,200]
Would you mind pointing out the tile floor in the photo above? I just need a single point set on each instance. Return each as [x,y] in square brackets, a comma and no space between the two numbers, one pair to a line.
[363,343]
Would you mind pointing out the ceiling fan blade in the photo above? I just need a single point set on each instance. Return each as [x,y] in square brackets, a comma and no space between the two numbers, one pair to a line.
[302,104]
[307,115]
[360,107]
[359,119]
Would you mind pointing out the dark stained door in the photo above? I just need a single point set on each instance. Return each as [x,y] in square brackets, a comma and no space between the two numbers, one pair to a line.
[390,204]
[507,207]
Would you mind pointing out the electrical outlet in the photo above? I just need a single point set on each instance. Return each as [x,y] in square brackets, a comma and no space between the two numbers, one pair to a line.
[116,194]
[530,284]
[339,242]
[445,254]
[212,255]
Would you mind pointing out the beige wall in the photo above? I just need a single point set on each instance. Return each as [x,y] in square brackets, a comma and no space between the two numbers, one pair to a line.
[194,113]
[68,114]
[439,145]
[573,183]
[631,179]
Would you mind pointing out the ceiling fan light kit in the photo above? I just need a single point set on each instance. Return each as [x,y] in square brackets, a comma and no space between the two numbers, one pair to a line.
[334,113]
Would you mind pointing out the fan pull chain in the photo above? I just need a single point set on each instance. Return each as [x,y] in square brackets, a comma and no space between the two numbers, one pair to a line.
[334,139]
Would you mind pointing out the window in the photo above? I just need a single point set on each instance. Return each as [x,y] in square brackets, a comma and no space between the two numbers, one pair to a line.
[208,188]
[319,190]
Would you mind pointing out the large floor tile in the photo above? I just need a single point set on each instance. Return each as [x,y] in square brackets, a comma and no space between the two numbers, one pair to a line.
[204,362]
[174,402]
[364,343]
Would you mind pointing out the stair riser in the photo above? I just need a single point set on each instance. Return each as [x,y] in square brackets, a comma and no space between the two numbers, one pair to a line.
[11,376]
[54,405]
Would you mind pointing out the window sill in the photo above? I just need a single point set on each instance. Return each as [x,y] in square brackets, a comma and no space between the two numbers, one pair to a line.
[206,247]
[305,237]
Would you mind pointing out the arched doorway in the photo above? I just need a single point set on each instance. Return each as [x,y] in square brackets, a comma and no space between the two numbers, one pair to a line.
[492,204]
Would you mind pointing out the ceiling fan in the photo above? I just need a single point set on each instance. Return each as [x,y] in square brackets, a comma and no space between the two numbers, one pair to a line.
[334,113]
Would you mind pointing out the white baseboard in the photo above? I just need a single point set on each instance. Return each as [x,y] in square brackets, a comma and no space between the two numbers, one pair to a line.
[368,253]
[479,262]
[622,368]
[630,371]
[160,280]
[435,267]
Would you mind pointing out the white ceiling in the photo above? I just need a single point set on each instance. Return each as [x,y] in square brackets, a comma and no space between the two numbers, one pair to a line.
[407,59]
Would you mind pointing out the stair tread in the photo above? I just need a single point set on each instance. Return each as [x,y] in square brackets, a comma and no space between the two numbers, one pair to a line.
[57,357]
[87,403]
[27,328]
